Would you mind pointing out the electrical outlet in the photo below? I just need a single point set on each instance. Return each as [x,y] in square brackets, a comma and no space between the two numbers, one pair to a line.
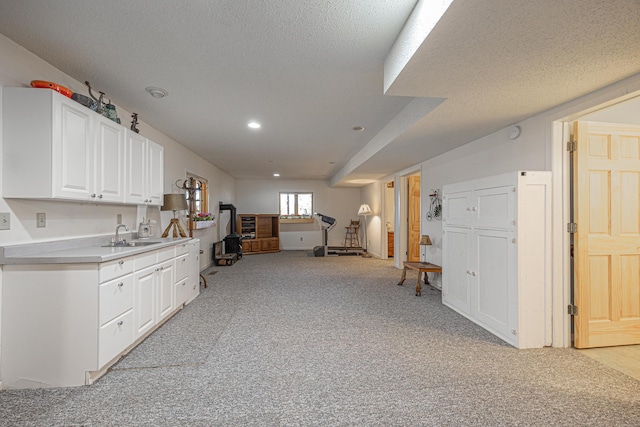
[41,220]
[5,218]
[301,239]
[119,219]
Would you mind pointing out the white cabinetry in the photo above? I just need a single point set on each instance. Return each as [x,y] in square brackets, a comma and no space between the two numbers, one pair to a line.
[55,148]
[109,161]
[496,254]
[65,324]
[144,170]
[153,289]
[187,285]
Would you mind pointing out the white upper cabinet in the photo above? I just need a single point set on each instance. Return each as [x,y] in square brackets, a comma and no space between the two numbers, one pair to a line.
[109,161]
[145,170]
[55,148]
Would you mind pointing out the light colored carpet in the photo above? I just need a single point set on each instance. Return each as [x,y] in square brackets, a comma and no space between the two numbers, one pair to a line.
[287,340]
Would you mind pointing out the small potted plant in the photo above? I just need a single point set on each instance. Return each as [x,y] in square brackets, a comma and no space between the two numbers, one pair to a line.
[203,219]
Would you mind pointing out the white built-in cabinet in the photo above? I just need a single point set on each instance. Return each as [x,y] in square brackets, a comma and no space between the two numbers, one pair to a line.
[55,148]
[496,254]
[66,324]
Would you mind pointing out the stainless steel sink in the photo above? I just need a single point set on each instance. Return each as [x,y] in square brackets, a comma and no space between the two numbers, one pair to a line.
[129,244]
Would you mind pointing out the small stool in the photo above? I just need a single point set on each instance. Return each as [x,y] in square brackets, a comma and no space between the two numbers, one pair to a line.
[351,237]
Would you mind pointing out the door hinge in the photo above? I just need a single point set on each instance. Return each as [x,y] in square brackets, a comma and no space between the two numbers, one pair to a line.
[571,146]
[572,227]
[572,310]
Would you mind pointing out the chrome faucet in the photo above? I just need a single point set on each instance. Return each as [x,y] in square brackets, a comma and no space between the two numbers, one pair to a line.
[120,241]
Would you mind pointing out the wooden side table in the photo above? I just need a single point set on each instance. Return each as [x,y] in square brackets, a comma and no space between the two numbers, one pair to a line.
[420,267]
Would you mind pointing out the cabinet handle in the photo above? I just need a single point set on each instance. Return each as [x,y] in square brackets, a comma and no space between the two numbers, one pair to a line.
[120,323]
[120,284]
[93,195]
[100,196]
[121,262]
[157,269]
[473,273]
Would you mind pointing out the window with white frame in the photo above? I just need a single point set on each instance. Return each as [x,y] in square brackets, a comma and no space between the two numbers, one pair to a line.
[296,205]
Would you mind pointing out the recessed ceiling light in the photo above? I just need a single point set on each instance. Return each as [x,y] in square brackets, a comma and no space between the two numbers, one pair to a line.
[276,174]
[156,92]
[254,125]
[358,128]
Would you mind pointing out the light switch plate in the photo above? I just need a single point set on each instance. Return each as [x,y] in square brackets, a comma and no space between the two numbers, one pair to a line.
[5,218]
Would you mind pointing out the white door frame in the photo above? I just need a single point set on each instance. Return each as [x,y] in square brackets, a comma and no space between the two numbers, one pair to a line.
[557,136]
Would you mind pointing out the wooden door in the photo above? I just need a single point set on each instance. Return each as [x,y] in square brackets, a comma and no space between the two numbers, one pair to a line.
[607,242]
[413,241]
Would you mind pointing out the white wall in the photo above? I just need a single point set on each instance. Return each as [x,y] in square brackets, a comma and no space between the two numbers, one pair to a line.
[490,155]
[262,196]
[67,220]
[625,112]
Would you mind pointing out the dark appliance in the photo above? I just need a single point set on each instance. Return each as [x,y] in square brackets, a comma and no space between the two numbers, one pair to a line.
[233,241]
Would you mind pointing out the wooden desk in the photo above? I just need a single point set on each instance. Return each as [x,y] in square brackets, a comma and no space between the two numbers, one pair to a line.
[420,267]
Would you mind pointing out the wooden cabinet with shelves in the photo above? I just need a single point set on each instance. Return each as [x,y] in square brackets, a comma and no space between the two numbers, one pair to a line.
[260,233]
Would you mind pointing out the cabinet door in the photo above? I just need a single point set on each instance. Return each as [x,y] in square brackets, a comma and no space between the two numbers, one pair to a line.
[143,300]
[155,174]
[456,269]
[494,207]
[246,246]
[72,152]
[136,168]
[255,245]
[109,161]
[494,286]
[165,289]
[274,244]
[456,208]
[265,244]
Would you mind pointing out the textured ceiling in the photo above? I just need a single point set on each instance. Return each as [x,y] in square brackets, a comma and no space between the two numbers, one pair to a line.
[311,70]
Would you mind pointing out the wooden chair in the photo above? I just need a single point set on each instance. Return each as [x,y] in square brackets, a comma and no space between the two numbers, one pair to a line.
[351,239]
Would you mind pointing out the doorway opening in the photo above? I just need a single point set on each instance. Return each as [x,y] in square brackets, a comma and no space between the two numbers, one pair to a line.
[601,196]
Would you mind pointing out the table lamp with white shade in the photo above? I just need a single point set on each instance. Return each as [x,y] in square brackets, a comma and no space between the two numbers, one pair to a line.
[365,210]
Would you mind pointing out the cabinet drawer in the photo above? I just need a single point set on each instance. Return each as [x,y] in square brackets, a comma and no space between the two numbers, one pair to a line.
[182,267]
[166,254]
[181,291]
[114,337]
[116,297]
[112,269]
[182,249]
[145,260]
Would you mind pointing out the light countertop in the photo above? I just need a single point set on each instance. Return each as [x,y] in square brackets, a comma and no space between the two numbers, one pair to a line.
[83,250]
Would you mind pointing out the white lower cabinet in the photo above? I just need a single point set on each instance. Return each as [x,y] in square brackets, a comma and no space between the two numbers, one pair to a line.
[187,280]
[114,337]
[65,324]
[144,283]
[496,262]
